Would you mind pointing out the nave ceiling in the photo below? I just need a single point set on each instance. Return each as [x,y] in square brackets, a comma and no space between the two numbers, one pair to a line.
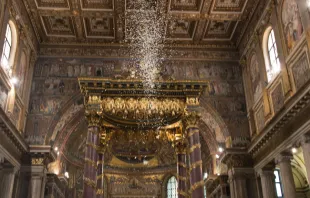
[103,22]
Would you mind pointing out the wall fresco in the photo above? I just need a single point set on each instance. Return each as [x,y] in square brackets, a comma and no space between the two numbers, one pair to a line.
[291,21]
[301,71]
[255,77]
[55,83]
[3,96]
[15,115]
[260,118]
[277,96]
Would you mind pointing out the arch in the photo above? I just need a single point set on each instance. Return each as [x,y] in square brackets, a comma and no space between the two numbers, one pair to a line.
[68,111]
[214,121]
[165,183]
[9,48]
[271,55]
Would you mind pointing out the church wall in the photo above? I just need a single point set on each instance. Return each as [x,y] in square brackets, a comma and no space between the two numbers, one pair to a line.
[55,83]
[14,101]
[265,99]
[268,100]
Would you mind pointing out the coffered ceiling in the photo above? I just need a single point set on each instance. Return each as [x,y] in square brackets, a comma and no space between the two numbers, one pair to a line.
[103,22]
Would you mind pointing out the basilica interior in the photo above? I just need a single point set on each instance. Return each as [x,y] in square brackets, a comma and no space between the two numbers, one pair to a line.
[154,99]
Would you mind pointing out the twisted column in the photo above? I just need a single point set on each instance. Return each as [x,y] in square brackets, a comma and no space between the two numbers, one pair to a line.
[194,152]
[181,168]
[91,155]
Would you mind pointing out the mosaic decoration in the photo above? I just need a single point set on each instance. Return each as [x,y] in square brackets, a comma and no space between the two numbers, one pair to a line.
[301,71]
[277,97]
[255,77]
[260,119]
[291,21]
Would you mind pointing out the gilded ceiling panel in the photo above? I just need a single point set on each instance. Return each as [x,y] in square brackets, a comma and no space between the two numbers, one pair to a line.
[185,5]
[58,26]
[97,4]
[99,27]
[51,4]
[228,5]
[181,29]
[220,30]
[198,23]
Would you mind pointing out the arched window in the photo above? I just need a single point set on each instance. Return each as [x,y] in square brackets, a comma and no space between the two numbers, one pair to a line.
[278,183]
[7,47]
[204,191]
[172,188]
[273,64]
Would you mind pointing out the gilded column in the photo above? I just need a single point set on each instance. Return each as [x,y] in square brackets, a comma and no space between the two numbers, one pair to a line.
[181,168]
[194,152]
[284,162]
[91,155]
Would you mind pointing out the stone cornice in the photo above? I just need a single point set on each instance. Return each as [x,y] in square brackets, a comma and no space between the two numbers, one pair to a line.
[282,129]
[10,130]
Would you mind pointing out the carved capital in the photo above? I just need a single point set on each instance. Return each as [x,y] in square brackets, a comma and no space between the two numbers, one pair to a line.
[238,161]
[284,157]
[180,148]
[191,119]
[37,161]
[93,118]
[305,139]
[192,101]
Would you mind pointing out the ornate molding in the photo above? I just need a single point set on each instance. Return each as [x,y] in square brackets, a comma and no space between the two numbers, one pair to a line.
[293,107]
[284,157]
[90,182]
[121,52]
[37,161]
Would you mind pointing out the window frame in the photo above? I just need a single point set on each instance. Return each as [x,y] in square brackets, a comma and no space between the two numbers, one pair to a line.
[271,55]
[279,183]
[7,43]
[175,185]
[8,64]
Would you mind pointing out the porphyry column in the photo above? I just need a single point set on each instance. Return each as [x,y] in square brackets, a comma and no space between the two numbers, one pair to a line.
[181,167]
[194,152]
[91,155]
[100,176]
